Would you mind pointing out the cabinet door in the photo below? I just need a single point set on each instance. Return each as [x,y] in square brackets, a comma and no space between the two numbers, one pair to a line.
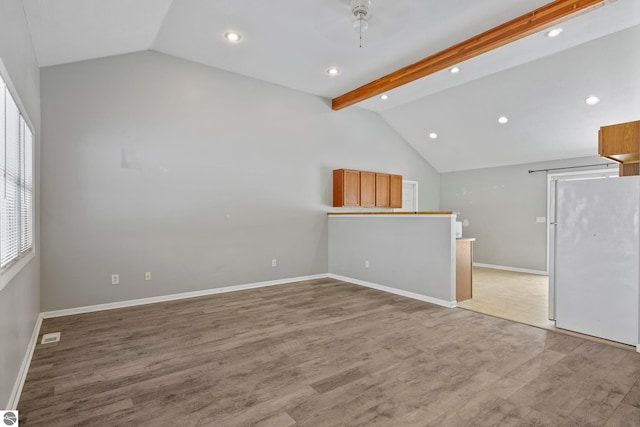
[351,188]
[382,190]
[346,187]
[367,189]
[395,191]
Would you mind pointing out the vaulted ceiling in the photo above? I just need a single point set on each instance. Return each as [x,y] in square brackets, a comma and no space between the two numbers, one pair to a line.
[539,83]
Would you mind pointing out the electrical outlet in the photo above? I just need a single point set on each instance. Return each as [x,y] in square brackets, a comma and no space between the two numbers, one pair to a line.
[274,262]
[147,275]
[115,279]
[366,264]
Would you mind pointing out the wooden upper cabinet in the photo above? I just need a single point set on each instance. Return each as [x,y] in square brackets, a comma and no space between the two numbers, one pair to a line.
[620,142]
[395,191]
[382,190]
[629,169]
[367,189]
[346,187]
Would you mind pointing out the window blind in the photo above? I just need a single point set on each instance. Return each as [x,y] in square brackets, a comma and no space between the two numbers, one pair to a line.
[16,181]
[26,188]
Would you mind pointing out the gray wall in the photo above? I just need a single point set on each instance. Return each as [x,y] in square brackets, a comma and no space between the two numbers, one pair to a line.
[152,163]
[406,252]
[20,299]
[501,205]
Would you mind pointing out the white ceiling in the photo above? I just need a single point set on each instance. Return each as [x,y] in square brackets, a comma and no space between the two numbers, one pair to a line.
[540,83]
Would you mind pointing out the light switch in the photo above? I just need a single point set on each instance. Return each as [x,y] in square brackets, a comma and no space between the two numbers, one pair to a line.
[541,219]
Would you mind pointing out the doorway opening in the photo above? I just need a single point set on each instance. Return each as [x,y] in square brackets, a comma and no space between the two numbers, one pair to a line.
[409,197]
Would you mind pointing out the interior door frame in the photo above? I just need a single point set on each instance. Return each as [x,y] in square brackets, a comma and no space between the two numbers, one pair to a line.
[552,179]
[414,184]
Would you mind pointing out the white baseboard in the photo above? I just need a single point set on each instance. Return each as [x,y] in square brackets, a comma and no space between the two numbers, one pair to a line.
[502,267]
[173,297]
[12,405]
[637,348]
[437,301]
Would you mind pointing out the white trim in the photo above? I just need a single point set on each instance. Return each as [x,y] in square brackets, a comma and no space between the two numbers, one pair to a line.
[502,267]
[172,297]
[14,398]
[415,195]
[14,93]
[437,301]
[19,263]
[15,268]
[637,348]
[609,172]
[390,215]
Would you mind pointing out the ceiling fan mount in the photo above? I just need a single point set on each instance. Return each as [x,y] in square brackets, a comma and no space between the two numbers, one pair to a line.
[360,8]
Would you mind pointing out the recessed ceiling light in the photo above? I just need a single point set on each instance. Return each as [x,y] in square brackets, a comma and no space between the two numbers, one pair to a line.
[433,135]
[592,100]
[502,120]
[232,36]
[555,32]
[384,97]
[333,71]
[454,70]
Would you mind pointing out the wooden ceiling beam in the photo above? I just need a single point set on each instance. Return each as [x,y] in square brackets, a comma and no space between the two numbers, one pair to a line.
[518,28]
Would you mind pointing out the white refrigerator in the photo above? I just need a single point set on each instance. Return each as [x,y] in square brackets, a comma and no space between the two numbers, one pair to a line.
[597,257]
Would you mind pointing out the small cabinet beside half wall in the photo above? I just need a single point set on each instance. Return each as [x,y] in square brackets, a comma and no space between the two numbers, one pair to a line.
[366,189]
[464,269]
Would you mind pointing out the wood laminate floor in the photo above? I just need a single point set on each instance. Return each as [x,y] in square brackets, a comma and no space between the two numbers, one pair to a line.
[321,353]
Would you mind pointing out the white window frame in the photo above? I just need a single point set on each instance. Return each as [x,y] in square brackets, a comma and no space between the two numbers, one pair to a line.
[12,270]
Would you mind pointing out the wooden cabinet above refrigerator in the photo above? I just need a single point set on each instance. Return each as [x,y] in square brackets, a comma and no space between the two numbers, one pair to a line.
[621,143]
